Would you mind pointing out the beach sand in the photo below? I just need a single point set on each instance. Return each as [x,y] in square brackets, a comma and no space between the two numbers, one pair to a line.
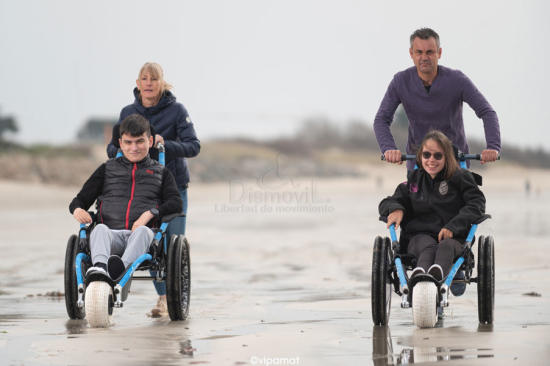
[280,275]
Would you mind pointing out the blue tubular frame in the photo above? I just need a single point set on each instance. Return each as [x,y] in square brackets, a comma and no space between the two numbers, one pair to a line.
[162,159]
[158,236]
[142,258]
[460,260]
[403,286]
[398,264]
[80,257]
[82,231]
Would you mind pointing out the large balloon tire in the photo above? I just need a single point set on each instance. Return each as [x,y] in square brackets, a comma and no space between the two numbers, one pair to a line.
[486,279]
[99,304]
[424,304]
[71,287]
[381,285]
[178,278]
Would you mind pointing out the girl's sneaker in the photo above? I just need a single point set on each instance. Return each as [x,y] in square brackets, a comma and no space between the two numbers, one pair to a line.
[436,272]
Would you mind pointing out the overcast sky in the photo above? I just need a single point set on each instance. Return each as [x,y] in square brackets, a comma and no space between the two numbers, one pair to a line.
[260,67]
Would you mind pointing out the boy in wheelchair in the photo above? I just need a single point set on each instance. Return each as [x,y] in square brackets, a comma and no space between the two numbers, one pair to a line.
[132,193]
[435,208]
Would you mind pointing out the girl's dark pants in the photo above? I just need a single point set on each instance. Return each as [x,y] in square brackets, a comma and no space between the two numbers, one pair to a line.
[427,251]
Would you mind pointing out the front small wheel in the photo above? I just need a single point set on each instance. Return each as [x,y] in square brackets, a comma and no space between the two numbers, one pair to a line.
[424,304]
[99,304]
[178,279]
[486,279]
[381,285]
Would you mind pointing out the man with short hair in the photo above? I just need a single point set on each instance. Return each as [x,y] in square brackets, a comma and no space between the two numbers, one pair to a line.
[133,192]
[432,96]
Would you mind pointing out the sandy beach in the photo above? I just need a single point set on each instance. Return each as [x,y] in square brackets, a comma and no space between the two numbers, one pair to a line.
[281,274]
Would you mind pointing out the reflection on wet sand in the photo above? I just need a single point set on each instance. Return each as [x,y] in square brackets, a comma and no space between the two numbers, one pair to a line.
[383,353]
[76,326]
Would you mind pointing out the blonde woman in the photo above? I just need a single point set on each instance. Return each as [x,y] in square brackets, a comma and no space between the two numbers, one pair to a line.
[174,129]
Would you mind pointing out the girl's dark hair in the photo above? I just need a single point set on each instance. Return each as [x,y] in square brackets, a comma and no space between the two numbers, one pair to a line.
[451,165]
[135,125]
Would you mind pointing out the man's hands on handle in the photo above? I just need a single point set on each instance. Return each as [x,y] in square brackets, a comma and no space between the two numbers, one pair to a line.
[488,156]
[395,218]
[82,216]
[393,156]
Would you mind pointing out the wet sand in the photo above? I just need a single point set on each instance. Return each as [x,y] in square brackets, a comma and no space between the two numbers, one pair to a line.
[280,275]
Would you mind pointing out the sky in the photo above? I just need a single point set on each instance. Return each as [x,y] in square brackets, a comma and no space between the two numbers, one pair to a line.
[259,67]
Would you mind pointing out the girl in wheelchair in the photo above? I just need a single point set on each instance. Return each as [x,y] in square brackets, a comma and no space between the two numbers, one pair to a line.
[435,207]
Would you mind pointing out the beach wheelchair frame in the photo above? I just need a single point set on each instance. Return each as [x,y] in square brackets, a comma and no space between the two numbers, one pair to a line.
[168,259]
[389,273]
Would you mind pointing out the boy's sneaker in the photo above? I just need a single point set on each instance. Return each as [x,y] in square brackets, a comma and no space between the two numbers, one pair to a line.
[417,271]
[458,288]
[115,265]
[98,270]
[436,272]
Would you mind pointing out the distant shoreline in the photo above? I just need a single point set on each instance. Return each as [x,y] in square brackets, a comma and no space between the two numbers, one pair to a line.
[223,161]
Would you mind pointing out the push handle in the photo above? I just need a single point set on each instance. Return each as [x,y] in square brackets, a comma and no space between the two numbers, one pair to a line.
[162,159]
[403,157]
[460,157]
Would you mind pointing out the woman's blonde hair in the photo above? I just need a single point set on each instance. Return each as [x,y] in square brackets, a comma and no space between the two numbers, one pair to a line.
[156,71]
[451,165]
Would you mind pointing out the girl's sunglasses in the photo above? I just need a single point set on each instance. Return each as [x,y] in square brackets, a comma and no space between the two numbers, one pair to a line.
[437,156]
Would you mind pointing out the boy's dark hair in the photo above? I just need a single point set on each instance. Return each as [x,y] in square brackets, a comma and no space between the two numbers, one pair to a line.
[135,125]
[425,33]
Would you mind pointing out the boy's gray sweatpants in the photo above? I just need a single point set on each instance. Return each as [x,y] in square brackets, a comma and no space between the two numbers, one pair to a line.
[127,244]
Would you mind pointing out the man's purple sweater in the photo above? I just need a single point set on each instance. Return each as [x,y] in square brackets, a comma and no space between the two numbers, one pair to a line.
[440,108]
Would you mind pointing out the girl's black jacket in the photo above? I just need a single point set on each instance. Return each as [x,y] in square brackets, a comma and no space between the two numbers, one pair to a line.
[432,204]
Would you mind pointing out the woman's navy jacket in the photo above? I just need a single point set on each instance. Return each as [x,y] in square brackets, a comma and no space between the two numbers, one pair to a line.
[170,120]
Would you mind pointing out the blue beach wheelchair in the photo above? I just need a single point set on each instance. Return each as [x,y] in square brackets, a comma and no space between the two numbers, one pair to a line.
[390,264]
[168,259]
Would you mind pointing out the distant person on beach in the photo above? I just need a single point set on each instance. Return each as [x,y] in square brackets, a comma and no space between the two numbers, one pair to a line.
[435,207]
[432,96]
[133,191]
[174,129]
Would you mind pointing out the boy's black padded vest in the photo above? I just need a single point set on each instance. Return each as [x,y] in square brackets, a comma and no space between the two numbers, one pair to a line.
[129,189]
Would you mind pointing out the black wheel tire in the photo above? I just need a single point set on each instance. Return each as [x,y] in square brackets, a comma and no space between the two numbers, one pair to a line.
[178,279]
[381,286]
[486,279]
[71,289]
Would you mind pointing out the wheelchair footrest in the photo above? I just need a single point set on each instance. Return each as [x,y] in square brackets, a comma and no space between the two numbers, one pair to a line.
[98,276]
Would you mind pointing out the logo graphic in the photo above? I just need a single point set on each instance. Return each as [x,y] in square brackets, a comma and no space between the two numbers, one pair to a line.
[443,188]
